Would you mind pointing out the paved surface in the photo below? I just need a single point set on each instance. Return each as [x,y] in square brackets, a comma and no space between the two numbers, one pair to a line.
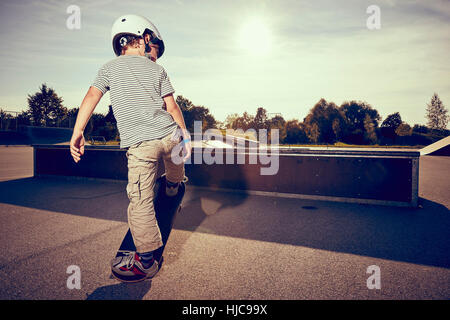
[223,246]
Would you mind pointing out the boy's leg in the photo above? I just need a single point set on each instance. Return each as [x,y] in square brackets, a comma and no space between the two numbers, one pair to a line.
[142,170]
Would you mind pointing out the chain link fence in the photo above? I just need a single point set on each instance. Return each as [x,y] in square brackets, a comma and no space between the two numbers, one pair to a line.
[9,120]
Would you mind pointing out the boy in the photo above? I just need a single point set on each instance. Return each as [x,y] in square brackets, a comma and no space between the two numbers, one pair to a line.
[150,125]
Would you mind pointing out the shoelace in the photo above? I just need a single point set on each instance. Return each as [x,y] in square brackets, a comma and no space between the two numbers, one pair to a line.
[130,260]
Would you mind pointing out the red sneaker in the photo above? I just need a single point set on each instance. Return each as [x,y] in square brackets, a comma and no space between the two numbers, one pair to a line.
[129,268]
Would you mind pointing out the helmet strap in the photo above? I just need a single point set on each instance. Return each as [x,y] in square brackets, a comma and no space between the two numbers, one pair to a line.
[147,47]
[147,44]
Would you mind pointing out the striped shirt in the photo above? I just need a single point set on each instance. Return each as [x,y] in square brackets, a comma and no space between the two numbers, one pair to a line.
[137,86]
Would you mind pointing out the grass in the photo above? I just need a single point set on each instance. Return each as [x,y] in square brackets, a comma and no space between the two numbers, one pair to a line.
[108,143]
[344,145]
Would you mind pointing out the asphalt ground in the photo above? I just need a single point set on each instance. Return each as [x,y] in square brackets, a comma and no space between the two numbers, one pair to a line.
[223,245]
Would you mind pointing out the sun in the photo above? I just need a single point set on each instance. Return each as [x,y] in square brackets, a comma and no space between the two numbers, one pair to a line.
[255,37]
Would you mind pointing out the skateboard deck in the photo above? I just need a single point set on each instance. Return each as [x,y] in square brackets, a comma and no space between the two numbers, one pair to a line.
[166,209]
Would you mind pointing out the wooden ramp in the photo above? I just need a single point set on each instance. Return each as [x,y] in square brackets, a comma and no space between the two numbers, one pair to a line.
[441,147]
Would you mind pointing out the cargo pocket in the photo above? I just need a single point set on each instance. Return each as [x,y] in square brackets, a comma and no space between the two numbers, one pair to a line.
[133,187]
[170,142]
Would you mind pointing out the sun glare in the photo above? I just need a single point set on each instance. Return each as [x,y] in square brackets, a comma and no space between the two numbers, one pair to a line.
[255,37]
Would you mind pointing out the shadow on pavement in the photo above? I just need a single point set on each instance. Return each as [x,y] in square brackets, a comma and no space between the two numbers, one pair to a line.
[417,236]
[121,291]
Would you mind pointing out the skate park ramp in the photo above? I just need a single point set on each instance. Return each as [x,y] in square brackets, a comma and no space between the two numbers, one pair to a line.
[29,135]
[439,148]
[14,138]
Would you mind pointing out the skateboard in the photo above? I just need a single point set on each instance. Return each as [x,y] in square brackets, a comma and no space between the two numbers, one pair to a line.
[166,209]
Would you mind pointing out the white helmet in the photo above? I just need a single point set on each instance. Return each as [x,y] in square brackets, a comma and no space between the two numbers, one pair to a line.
[132,24]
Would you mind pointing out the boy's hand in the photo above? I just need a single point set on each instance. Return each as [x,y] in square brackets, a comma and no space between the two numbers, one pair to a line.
[77,146]
[187,148]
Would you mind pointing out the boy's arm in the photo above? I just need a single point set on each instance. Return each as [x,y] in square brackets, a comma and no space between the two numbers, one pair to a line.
[174,110]
[88,105]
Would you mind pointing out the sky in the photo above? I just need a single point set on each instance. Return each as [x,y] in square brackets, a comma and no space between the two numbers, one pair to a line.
[234,56]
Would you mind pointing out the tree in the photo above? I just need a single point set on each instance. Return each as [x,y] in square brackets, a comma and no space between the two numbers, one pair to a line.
[355,113]
[3,114]
[244,122]
[101,125]
[295,132]
[230,119]
[193,113]
[96,121]
[437,114]
[390,124]
[70,118]
[24,118]
[403,130]
[313,133]
[45,107]
[110,116]
[418,128]
[109,130]
[4,117]
[370,133]
[392,121]
[339,128]
[260,120]
[277,122]
[323,122]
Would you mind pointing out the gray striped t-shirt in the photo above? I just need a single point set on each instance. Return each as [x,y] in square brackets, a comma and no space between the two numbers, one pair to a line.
[137,86]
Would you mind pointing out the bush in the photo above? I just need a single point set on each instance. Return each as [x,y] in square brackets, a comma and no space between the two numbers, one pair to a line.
[418,128]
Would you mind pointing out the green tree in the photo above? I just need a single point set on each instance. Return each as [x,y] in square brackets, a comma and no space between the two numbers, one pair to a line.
[339,127]
[70,118]
[4,120]
[369,127]
[230,119]
[295,132]
[193,113]
[390,125]
[45,107]
[103,125]
[355,113]
[313,133]
[110,129]
[418,128]
[110,115]
[392,121]
[3,114]
[93,127]
[244,122]
[260,121]
[24,118]
[403,130]
[437,114]
[277,122]
[324,122]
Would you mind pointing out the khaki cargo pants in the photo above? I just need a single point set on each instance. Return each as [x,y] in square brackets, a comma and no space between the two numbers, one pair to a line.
[142,170]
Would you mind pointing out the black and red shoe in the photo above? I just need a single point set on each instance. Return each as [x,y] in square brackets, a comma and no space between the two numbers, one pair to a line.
[129,268]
